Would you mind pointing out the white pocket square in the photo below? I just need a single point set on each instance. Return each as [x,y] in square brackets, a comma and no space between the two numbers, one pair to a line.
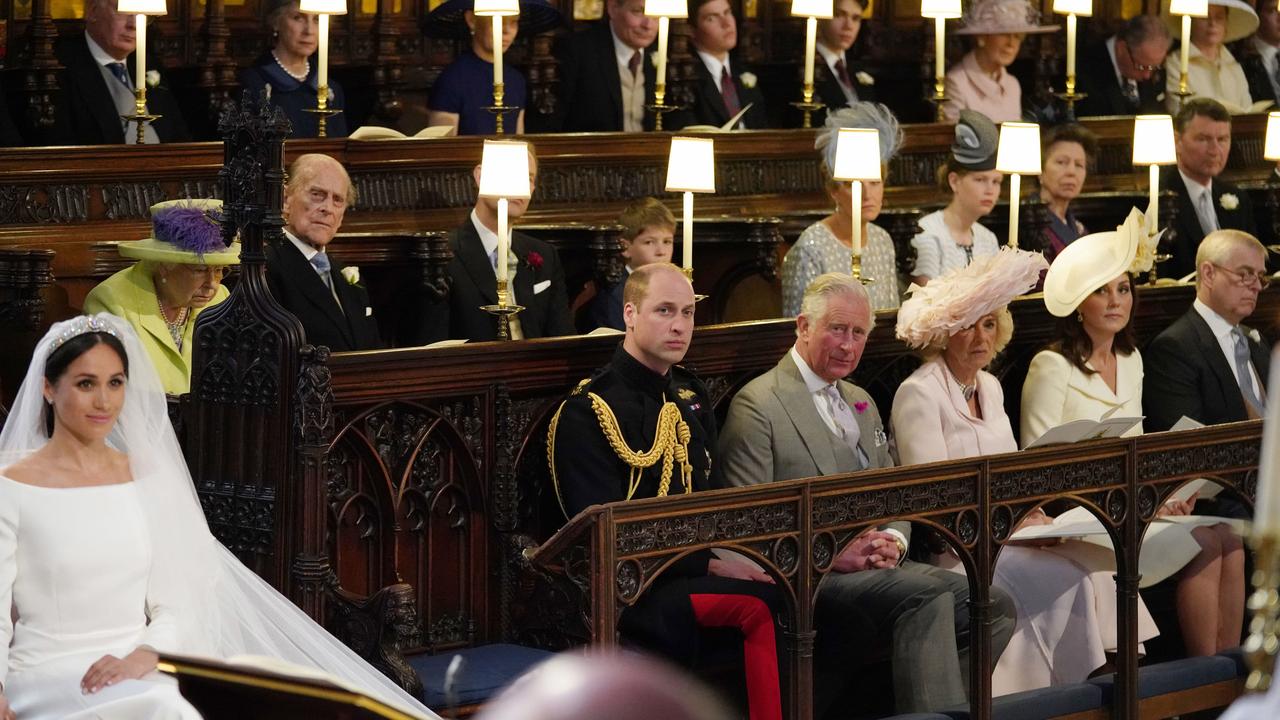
[539,287]
[368,311]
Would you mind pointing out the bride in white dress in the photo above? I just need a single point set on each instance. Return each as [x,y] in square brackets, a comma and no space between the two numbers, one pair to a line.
[105,556]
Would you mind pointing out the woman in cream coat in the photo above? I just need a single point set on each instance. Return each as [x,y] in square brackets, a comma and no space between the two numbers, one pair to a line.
[952,408]
[1094,369]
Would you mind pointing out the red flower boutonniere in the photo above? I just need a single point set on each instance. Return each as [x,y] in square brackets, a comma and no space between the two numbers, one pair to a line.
[533,260]
[860,407]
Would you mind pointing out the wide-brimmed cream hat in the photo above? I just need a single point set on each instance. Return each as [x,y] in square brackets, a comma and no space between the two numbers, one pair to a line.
[997,17]
[1242,20]
[1090,262]
[187,232]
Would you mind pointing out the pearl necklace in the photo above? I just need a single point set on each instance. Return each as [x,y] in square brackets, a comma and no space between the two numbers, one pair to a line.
[968,391]
[290,73]
[177,326]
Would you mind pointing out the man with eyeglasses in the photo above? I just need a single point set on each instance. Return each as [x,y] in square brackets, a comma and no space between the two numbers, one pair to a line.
[1207,365]
[1202,139]
[1124,75]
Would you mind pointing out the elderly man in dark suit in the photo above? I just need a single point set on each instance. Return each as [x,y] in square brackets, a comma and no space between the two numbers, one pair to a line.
[537,282]
[1124,75]
[1202,138]
[96,86]
[722,86]
[1260,54]
[327,298]
[1206,365]
[606,75]
[802,419]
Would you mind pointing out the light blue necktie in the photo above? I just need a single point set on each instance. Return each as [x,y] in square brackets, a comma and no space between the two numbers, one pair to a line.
[320,262]
[1243,374]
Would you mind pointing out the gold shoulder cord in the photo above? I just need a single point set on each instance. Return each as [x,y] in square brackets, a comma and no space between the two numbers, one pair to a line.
[670,444]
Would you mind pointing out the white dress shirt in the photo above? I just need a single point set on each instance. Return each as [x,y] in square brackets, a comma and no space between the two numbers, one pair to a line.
[1222,332]
[716,67]
[632,85]
[121,95]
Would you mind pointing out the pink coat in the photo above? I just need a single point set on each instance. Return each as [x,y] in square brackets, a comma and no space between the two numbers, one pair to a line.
[968,87]
[931,420]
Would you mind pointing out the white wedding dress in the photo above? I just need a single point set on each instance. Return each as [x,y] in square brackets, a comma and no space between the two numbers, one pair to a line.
[75,567]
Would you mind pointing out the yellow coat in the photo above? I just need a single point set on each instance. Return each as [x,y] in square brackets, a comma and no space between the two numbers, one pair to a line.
[131,295]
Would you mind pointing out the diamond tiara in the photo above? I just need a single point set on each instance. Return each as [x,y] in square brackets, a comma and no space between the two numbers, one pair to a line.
[80,326]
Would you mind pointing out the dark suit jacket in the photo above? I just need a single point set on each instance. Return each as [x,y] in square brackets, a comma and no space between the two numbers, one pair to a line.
[826,88]
[605,309]
[295,285]
[83,111]
[1185,373]
[1186,229]
[1255,71]
[473,283]
[708,104]
[1096,78]
[590,92]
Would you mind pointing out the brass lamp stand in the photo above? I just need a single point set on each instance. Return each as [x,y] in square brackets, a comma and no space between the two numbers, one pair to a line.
[807,105]
[503,310]
[1260,649]
[140,114]
[498,108]
[322,111]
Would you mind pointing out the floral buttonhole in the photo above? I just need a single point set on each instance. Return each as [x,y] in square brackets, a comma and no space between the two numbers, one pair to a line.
[153,78]
[533,260]
[860,407]
[1228,201]
[748,80]
[351,274]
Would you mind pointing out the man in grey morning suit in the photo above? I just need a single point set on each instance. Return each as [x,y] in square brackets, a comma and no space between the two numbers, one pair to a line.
[801,419]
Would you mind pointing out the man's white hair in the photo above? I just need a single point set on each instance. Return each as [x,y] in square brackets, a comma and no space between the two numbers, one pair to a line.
[819,293]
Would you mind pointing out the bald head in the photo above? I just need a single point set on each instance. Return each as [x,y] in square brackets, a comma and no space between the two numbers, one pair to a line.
[316,198]
[657,310]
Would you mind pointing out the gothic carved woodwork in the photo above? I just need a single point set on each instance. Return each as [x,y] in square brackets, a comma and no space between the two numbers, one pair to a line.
[40,66]
[216,69]
[432,254]
[606,255]
[379,629]
[24,274]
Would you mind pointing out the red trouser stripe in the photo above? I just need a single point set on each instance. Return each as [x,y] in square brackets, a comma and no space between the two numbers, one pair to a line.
[751,615]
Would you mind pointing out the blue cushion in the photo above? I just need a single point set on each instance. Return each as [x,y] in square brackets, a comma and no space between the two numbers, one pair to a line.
[1236,655]
[1039,703]
[1175,675]
[488,669]
[918,716]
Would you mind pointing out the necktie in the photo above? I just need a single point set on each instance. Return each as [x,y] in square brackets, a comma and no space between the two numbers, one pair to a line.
[1208,218]
[1130,90]
[845,423]
[729,92]
[634,63]
[320,261]
[842,74]
[121,72]
[493,259]
[1244,375]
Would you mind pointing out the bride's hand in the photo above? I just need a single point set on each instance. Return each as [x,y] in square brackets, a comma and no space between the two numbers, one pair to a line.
[5,712]
[110,670]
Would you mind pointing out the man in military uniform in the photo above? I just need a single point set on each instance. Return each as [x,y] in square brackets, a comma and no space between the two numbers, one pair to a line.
[642,427]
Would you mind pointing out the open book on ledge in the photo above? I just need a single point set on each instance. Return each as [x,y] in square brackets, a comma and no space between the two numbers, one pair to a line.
[1077,430]
[377,132]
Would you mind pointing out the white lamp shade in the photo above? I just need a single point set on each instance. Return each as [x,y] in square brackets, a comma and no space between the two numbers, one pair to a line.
[691,167]
[666,8]
[1271,148]
[500,8]
[1083,8]
[857,154]
[141,7]
[813,8]
[949,9]
[1019,150]
[323,7]
[1153,140]
[1194,8]
[504,169]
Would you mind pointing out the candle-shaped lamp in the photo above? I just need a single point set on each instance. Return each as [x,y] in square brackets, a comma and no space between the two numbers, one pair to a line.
[504,175]
[1072,9]
[140,9]
[691,168]
[1271,146]
[1018,154]
[323,8]
[857,160]
[1153,147]
[811,10]
[664,10]
[940,11]
[1187,9]
[496,10]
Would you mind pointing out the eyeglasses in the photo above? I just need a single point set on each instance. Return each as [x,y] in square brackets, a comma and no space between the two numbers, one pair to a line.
[1137,65]
[1244,278]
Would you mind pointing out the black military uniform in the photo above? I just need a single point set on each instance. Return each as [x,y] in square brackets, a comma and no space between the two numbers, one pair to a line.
[588,472]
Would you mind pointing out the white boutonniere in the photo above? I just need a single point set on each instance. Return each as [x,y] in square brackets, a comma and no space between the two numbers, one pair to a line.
[864,78]
[351,274]
[153,78]
[1229,201]
[748,80]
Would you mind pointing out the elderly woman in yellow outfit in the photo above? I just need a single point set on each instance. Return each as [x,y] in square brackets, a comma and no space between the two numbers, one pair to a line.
[178,275]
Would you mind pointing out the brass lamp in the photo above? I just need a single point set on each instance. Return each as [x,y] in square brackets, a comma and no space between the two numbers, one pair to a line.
[691,168]
[1072,9]
[504,174]
[664,10]
[323,8]
[1260,648]
[1018,154]
[497,10]
[857,160]
[940,11]
[140,10]
[812,10]
[1187,9]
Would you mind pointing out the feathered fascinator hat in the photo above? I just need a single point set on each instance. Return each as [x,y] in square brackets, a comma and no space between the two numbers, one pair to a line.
[188,232]
[962,297]
[1091,262]
[868,115]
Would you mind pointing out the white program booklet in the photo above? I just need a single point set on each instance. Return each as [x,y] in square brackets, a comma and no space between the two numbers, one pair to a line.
[1077,430]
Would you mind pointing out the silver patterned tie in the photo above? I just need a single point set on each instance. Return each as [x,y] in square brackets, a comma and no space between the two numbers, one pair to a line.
[1243,374]
[847,426]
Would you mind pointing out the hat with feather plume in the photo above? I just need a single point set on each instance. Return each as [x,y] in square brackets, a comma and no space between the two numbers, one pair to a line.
[187,232]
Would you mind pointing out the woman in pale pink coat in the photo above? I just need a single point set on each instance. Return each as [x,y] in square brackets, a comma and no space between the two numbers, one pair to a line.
[981,80]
